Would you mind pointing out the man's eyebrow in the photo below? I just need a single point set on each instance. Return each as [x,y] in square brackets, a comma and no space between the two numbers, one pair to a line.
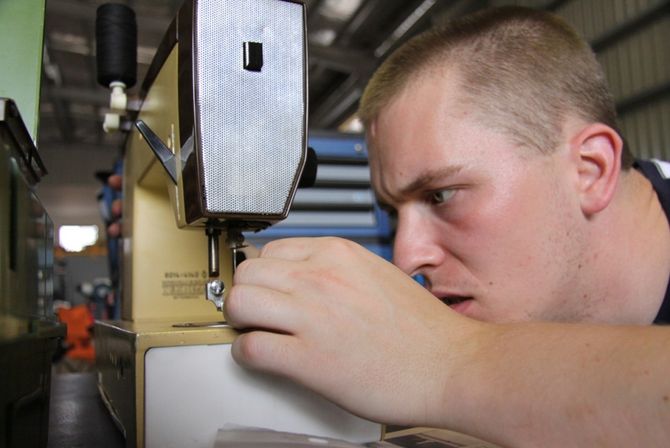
[423,180]
[428,177]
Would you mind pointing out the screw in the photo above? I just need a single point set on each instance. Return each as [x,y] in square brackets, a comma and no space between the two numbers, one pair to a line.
[216,287]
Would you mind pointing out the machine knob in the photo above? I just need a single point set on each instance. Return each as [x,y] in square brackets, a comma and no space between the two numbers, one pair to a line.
[215,290]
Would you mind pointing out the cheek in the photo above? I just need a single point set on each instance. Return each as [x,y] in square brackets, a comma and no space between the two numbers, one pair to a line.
[533,250]
[511,230]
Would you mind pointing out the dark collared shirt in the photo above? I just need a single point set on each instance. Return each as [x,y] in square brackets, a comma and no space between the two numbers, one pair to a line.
[658,173]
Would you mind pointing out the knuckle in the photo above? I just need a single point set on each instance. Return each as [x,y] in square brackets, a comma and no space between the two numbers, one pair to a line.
[339,244]
[269,248]
[247,349]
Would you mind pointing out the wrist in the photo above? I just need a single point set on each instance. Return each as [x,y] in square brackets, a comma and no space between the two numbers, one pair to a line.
[462,373]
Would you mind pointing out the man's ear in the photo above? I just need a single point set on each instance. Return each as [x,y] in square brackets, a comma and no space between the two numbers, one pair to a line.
[597,150]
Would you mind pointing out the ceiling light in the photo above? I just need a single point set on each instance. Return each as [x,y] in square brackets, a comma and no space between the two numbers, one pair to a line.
[323,37]
[404,27]
[70,43]
[76,238]
[340,9]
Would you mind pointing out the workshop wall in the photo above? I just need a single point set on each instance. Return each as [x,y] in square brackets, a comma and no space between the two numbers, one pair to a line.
[631,39]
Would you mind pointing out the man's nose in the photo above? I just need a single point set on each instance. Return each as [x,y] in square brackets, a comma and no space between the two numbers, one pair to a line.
[416,247]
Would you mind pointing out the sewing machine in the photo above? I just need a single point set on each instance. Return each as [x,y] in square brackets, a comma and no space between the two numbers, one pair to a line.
[217,147]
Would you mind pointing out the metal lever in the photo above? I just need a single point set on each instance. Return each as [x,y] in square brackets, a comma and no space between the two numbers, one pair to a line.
[213,250]
[215,287]
[162,152]
[235,242]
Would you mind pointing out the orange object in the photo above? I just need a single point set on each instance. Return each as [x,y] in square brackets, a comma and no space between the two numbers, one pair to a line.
[79,320]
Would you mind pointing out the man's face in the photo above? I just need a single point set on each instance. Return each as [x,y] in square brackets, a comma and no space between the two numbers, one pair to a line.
[493,227]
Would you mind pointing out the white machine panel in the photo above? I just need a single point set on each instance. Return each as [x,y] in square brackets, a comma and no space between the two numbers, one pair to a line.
[192,391]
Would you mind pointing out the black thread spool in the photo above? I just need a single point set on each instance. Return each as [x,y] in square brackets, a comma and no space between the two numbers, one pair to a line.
[116,44]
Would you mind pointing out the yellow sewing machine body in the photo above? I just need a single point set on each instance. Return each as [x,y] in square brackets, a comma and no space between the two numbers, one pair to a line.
[165,370]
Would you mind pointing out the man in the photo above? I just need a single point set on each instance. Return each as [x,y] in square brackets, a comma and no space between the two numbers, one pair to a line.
[493,141]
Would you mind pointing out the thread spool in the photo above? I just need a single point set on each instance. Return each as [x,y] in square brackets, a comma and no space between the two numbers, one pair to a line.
[116,44]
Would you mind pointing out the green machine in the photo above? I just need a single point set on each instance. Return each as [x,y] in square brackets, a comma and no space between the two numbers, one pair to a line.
[21,34]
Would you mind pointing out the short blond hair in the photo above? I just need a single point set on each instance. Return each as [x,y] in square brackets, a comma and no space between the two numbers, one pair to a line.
[524,70]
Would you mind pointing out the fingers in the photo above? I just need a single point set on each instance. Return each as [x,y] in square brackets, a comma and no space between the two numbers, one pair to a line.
[302,249]
[272,273]
[269,352]
[296,249]
[250,306]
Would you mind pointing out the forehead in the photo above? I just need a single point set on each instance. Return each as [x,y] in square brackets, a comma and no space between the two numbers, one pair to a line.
[430,96]
[431,128]
[421,121]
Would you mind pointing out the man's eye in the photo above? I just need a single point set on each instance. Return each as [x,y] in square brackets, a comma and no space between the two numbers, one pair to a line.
[441,196]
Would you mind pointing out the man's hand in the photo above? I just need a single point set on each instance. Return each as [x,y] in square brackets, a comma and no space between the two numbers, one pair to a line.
[334,317]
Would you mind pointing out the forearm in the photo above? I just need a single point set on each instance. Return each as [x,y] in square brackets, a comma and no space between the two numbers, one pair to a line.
[555,384]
